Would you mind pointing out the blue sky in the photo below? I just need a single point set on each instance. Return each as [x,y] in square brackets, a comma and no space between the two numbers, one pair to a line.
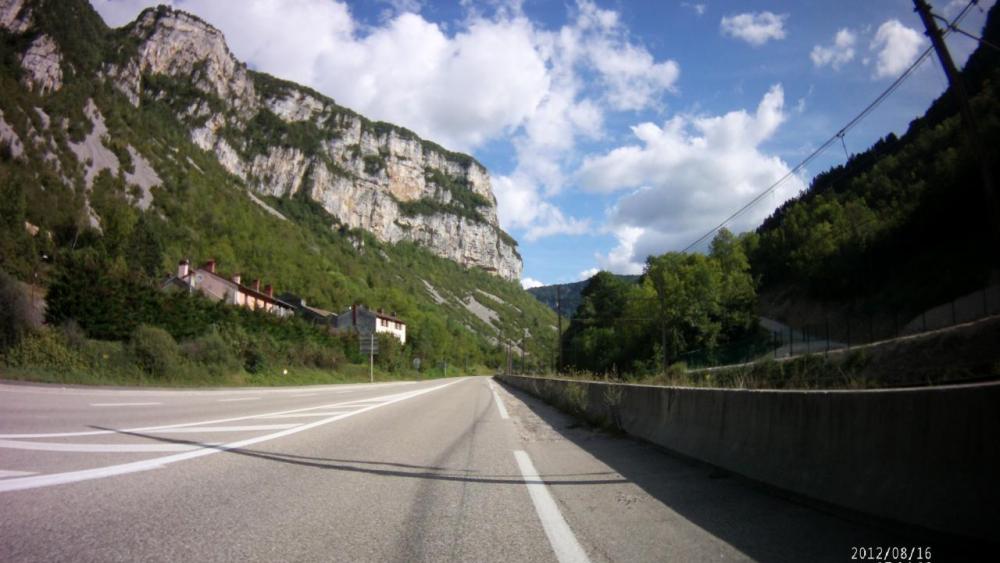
[612,129]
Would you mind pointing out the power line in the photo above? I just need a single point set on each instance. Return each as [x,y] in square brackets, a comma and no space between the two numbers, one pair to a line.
[838,135]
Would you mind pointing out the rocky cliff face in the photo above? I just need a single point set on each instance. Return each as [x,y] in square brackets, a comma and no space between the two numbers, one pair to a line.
[283,139]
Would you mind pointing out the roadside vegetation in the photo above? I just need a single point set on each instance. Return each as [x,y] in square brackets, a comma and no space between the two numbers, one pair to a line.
[899,228]
[97,259]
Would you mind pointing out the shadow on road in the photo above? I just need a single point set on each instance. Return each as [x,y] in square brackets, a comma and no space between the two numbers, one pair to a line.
[423,472]
[756,521]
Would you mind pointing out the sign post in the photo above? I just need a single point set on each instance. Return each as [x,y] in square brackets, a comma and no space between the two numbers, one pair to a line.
[370,346]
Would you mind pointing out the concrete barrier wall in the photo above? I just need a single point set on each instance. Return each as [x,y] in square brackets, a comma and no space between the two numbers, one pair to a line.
[928,457]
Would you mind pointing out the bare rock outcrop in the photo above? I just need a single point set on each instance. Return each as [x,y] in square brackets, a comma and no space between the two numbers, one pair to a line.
[283,139]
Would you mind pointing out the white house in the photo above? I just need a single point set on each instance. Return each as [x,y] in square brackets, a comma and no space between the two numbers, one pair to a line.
[216,287]
[364,321]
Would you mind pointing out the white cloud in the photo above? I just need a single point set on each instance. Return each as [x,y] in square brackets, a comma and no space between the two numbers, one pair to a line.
[690,173]
[836,55]
[493,77]
[528,283]
[696,8]
[520,206]
[587,274]
[754,28]
[897,45]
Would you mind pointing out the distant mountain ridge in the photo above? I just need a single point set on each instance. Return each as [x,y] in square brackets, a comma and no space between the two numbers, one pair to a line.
[570,294]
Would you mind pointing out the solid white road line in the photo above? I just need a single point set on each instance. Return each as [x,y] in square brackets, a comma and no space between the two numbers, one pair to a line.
[239,399]
[182,425]
[561,537]
[4,473]
[303,414]
[250,428]
[123,404]
[21,483]
[500,407]
[93,448]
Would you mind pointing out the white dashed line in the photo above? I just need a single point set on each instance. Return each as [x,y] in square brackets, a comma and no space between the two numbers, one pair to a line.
[561,537]
[500,407]
[123,404]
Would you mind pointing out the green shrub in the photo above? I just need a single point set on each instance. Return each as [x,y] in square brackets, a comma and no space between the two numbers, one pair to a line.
[211,351]
[45,348]
[314,354]
[254,360]
[155,351]
[15,312]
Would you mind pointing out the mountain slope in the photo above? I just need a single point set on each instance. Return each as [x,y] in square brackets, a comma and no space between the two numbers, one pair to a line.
[110,142]
[901,226]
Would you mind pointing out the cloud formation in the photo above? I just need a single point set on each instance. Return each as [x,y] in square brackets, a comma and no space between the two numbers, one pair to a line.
[528,283]
[897,46]
[495,76]
[836,55]
[754,28]
[685,175]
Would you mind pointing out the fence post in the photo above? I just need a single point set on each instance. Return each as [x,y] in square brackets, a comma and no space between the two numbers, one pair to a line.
[776,342]
[871,329]
[791,342]
[827,319]
[848,332]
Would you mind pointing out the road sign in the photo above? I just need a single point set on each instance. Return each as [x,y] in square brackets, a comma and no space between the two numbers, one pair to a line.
[369,344]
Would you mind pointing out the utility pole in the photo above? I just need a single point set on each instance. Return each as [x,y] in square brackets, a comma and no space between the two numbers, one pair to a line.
[663,339]
[559,359]
[524,335]
[968,120]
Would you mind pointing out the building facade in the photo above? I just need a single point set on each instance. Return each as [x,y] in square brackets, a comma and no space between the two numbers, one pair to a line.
[366,321]
[211,284]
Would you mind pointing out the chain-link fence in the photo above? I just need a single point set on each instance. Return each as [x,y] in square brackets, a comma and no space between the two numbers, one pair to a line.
[777,340]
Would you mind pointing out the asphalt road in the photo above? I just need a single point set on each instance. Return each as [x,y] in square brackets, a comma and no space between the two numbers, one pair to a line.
[448,470]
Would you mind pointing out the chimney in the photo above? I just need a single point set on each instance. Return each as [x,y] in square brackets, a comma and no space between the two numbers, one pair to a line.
[255,285]
[269,290]
[183,269]
[210,266]
[236,279]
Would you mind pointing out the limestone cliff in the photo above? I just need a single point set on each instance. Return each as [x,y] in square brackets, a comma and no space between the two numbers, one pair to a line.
[282,139]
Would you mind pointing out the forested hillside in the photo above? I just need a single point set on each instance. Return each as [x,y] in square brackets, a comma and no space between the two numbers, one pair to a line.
[903,225]
[95,187]
[570,295]
[900,227]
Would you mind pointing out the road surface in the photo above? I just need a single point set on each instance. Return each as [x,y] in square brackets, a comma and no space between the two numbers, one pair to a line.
[448,470]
